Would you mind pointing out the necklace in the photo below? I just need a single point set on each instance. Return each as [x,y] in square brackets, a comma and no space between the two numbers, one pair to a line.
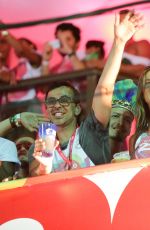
[69,163]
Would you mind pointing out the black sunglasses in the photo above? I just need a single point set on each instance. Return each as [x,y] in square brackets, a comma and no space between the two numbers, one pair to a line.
[64,101]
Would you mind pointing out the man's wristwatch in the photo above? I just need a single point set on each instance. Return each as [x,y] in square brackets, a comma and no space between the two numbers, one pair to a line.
[15,120]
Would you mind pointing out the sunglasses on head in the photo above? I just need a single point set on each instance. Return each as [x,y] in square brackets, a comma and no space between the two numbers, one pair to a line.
[63,100]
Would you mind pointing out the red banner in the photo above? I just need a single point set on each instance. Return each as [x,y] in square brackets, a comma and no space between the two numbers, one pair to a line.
[113,196]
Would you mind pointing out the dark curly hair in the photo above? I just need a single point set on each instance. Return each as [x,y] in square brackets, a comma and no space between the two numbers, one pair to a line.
[69,26]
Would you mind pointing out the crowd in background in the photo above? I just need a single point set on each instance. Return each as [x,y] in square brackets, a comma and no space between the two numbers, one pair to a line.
[19,123]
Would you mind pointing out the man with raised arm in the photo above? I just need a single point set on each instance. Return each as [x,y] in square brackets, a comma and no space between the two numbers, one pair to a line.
[85,145]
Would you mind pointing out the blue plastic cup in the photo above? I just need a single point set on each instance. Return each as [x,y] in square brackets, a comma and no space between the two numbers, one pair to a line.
[47,132]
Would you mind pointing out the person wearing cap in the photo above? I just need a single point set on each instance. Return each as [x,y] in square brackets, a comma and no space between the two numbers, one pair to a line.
[9,162]
[122,116]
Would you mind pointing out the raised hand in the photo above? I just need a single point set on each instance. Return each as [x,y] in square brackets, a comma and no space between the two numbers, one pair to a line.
[47,51]
[126,28]
[45,161]
[31,121]
[38,153]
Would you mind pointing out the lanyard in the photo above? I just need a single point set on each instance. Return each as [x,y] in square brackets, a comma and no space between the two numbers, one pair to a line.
[67,160]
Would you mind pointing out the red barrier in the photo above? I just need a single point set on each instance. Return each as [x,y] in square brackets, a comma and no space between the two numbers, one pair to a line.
[112,196]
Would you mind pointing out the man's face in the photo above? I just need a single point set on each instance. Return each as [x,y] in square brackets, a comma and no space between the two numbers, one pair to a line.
[58,113]
[23,148]
[67,39]
[120,123]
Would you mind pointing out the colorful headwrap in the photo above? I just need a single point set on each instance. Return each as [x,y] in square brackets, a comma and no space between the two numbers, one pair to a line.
[123,104]
[124,96]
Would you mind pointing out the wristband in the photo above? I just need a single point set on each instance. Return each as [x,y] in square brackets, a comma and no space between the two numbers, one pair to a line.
[71,54]
[45,63]
[15,120]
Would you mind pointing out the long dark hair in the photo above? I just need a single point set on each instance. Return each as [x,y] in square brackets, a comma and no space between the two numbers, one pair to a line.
[142,109]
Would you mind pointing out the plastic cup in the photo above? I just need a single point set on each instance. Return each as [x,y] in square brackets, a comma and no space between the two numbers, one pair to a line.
[121,156]
[47,132]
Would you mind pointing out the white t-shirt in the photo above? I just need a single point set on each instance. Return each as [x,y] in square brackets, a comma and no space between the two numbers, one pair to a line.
[79,157]
[24,70]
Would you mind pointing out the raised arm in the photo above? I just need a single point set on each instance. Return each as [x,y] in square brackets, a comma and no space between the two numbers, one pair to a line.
[102,100]
[46,58]
[22,49]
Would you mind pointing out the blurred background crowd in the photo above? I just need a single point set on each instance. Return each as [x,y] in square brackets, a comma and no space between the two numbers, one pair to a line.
[22,59]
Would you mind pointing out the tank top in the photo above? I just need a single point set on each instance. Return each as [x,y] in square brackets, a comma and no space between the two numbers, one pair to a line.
[142,146]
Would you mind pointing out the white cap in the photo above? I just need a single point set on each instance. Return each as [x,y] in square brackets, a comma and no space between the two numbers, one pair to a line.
[8,151]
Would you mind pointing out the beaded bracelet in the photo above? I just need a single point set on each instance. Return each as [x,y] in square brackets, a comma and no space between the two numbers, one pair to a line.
[15,120]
